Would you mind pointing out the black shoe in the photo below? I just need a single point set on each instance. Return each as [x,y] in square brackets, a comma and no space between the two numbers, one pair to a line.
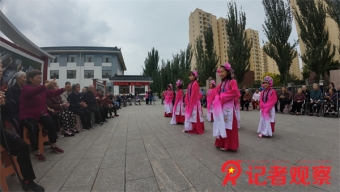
[31,186]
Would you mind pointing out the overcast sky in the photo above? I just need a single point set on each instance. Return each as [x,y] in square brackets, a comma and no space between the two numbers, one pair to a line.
[134,25]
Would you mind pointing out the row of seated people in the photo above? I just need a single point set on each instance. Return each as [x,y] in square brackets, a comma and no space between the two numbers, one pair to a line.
[310,101]
[29,103]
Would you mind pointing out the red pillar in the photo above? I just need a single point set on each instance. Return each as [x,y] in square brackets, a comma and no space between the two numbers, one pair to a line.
[45,59]
[95,83]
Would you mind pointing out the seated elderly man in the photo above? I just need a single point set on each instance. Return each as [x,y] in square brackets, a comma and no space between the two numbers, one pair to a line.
[315,98]
[92,105]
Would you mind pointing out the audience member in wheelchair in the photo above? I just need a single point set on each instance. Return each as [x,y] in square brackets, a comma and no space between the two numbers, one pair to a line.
[330,101]
[315,98]
[299,98]
[284,98]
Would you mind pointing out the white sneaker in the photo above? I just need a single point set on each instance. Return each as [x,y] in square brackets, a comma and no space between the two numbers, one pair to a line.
[60,136]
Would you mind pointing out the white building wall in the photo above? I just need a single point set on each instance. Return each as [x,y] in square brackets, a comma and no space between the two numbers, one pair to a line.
[79,75]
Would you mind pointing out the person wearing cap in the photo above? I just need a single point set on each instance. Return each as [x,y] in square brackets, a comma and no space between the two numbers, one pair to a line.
[169,95]
[194,122]
[226,122]
[178,109]
[210,97]
[268,100]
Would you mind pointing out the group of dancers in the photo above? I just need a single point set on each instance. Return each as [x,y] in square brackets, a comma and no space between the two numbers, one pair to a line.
[223,108]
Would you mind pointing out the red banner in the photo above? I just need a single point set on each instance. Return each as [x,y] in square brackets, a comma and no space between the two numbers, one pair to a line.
[131,83]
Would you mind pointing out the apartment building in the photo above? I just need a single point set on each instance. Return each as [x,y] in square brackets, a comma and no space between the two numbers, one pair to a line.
[199,20]
[269,65]
[255,56]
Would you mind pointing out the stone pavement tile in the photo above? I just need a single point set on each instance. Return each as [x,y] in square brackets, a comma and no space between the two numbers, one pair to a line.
[189,190]
[203,179]
[169,176]
[95,152]
[116,149]
[168,142]
[147,184]
[134,136]
[135,146]
[138,166]
[80,179]
[152,140]
[117,160]
[86,166]
[117,142]
[53,182]
[242,184]
[110,179]
[76,189]
[40,169]
[156,152]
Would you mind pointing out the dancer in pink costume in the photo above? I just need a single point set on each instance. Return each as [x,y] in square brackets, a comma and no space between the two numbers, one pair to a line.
[268,100]
[225,126]
[168,107]
[211,96]
[194,122]
[178,110]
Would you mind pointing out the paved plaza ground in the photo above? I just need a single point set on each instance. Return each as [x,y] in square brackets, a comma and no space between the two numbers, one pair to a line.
[141,151]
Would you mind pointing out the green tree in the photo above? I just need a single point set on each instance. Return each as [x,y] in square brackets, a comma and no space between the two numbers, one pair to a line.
[311,18]
[333,10]
[277,28]
[276,78]
[305,72]
[239,46]
[151,68]
[206,57]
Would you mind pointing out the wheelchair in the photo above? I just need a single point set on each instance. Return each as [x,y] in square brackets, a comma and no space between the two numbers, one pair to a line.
[330,108]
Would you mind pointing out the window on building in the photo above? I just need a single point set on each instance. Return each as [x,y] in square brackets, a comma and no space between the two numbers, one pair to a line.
[56,59]
[139,89]
[89,58]
[71,74]
[88,74]
[106,59]
[201,26]
[106,74]
[54,74]
[200,22]
[199,12]
[72,58]
[124,89]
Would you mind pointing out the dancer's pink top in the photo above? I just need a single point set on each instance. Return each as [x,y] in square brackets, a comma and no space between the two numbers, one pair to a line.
[169,95]
[229,91]
[268,100]
[211,96]
[192,98]
[179,96]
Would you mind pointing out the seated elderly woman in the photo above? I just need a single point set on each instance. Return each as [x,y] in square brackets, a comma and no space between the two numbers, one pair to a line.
[59,112]
[299,98]
[331,101]
[33,111]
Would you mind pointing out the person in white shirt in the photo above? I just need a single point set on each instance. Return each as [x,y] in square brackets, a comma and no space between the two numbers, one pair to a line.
[256,99]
